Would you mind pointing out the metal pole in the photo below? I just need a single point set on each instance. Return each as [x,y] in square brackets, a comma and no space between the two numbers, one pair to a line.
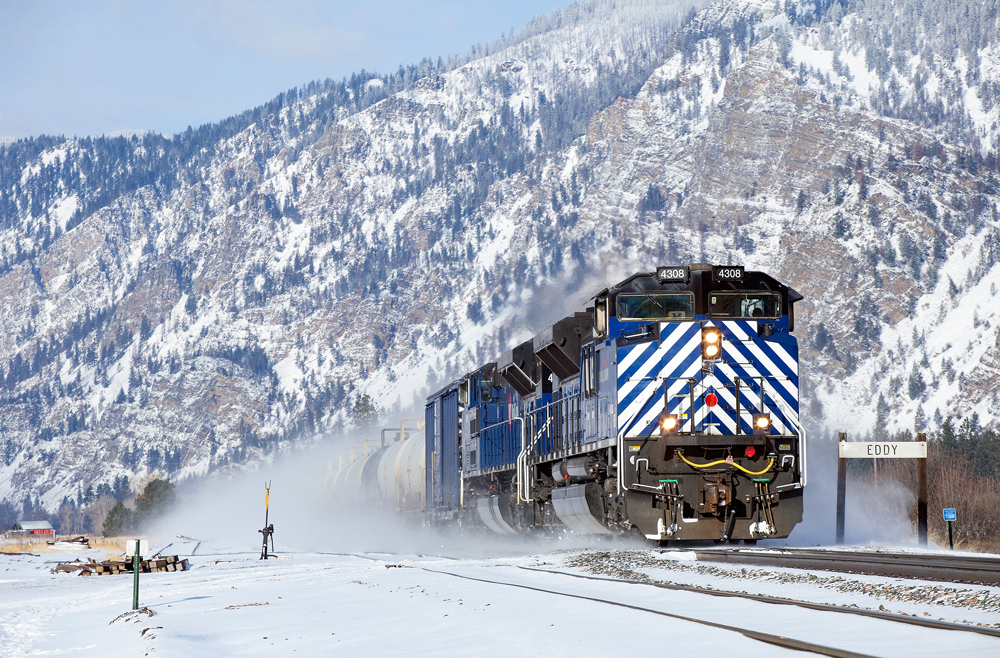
[951,540]
[922,496]
[135,570]
[691,383]
[841,492]
[736,383]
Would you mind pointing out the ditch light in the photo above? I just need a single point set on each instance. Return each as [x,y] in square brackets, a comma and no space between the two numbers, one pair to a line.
[762,423]
[670,424]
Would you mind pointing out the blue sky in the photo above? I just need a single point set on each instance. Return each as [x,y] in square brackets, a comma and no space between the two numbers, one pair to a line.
[88,68]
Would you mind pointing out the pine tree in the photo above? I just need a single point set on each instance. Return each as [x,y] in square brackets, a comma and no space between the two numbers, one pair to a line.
[120,521]
[916,385]
[920,420]
[948,438]
[880,433]
[365,412]
[156,498]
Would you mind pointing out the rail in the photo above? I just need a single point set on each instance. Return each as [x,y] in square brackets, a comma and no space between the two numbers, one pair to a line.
[753,634]
[763,598]
[922,565]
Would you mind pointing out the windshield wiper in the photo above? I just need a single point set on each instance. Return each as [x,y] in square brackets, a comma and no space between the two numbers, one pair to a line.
[650,298]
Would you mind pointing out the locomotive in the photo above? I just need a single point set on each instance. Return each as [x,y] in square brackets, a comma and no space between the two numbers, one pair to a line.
[669,407]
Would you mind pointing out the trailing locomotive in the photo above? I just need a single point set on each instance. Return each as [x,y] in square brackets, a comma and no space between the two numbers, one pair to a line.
[669,407]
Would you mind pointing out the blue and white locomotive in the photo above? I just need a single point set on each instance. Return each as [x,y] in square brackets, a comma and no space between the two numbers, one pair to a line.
[669,408]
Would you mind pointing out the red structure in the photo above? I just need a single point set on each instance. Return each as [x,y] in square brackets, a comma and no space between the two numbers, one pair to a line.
[33,528]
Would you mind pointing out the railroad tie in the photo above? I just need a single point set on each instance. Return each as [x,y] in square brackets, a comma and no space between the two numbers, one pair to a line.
[163,565]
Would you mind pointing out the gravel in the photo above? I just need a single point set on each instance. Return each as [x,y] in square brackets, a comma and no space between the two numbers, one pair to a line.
[629,565]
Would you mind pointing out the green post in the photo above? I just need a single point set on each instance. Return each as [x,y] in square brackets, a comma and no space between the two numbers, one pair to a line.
[135,569]
[951,541]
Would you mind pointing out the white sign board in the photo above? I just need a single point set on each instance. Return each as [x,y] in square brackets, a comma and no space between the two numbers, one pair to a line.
[883,449]
[143,547]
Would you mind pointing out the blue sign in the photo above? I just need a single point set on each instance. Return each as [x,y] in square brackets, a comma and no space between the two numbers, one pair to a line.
[949,514]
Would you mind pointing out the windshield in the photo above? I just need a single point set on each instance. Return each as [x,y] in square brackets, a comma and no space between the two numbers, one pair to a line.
[656,306]
[745,305]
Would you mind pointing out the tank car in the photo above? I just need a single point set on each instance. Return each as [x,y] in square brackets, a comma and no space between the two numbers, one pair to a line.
[669,407]
[388,477]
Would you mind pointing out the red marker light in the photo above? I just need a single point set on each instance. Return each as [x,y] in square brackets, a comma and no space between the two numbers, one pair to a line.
[750,451]
[711,399]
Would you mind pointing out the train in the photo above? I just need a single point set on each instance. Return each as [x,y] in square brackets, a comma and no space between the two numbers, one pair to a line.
[668,408]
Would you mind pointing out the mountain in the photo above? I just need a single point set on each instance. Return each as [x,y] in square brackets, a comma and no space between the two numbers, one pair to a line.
[204,301]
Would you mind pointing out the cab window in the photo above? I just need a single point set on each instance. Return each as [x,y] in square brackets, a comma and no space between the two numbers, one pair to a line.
[744,305]
[656,306]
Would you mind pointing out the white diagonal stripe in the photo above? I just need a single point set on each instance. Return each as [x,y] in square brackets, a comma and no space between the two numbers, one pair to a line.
[640,400]
[774,372]
[633,354]
[672,391]
[730,398]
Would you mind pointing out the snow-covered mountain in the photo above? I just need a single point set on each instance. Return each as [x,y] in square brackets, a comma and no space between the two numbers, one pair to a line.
[190,303]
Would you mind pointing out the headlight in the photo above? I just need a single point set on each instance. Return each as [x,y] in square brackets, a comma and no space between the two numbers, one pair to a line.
[761,423]
[670,424]
[711,343]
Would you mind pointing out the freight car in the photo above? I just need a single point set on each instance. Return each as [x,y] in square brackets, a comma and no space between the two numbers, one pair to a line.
[389,476]
[669,408]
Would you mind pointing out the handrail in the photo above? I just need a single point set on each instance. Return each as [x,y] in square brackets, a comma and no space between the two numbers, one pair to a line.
[793,417]
[402,426]
[526,452]
[521,465]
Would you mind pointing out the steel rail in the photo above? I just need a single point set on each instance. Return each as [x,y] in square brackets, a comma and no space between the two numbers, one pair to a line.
[823,607]
[927,566]
[777,640]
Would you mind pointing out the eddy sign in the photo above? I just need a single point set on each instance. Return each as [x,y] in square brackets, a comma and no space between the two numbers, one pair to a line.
[883,449]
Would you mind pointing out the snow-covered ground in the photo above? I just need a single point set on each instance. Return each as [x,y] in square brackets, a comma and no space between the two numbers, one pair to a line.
[231,603]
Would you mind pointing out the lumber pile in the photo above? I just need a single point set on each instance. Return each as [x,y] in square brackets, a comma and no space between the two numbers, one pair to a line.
[111,567]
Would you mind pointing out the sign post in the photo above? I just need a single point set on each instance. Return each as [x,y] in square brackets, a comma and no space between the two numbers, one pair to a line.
[136,548]
[949,516]
[886,450]
[841,492]
[922,494]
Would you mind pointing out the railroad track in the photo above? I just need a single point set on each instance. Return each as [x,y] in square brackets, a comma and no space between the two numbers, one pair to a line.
[823,607]
[768,638]
[973,569]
